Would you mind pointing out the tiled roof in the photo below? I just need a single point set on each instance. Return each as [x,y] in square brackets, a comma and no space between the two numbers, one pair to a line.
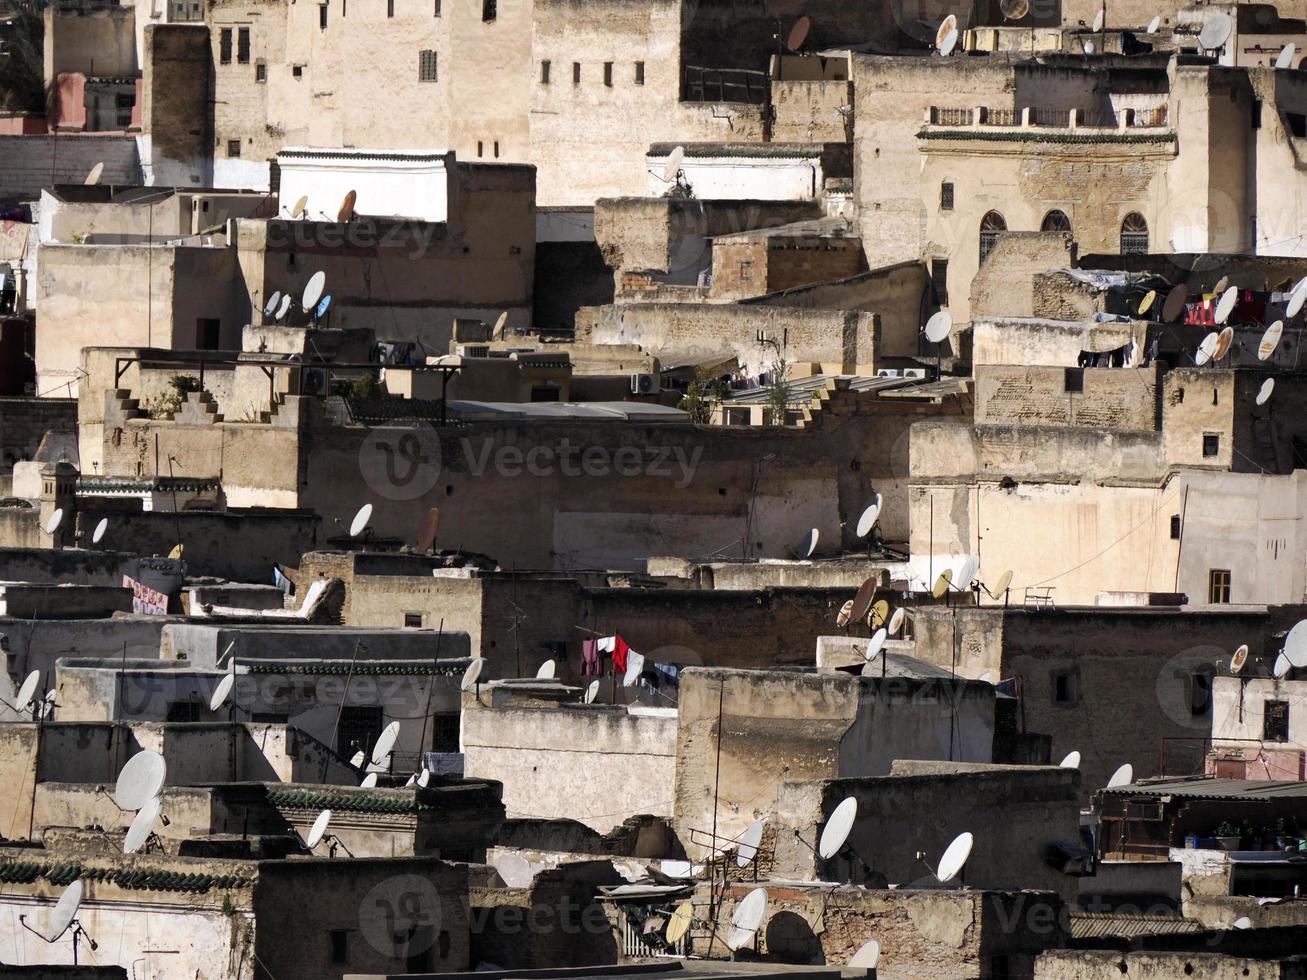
[138,879]
[1043,136]
[355,801]
[1092,925]
[343,667]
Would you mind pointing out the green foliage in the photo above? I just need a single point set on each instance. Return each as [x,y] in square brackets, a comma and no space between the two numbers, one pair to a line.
[701,397]
[367,387]
[22,68]
[778,395]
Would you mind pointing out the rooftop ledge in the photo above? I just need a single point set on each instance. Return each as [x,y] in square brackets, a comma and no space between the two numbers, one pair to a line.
[988,118]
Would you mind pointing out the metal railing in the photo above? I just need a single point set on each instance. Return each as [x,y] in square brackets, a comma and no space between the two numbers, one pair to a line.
[724,85]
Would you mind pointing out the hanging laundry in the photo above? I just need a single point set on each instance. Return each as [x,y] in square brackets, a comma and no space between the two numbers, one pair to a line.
[606,644]
[666,675]
[591,665]
[634,665]
[620,650]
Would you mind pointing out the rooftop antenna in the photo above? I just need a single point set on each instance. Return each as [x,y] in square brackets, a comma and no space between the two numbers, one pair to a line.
[501,324]
[867,520]
[1124,776]
[876,643]
[1285,58]
[1239,659]
[64,916]
[842,617]
[346,211]
[547,671]
[369,781]
[1224,340]
[679,922]
[26,692]
[360,522]
[1000,587]
[321,309]
[427,530]
[1147,302]
[1270,340]
[878,614]
[1222,284]
[1014,10]
[1264,392]
[318,829]
[747,919]
[140,780]
[943,584]
[862,600]
[748,845]
[223,691]
[1088,47]
[298,210]
[946,37]
[896,620]
[1071,761]
[1099,19]
[1296,297]
[672,168]
[98,534]
[799,33]
[806,545]
[472,675]
[1215,32]
[1206,349]
[1295,645]
[1243,922]
[836,832]
[358,759]
[96,173]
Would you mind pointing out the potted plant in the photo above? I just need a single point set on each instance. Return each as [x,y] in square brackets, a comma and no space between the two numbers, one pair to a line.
[1227,835]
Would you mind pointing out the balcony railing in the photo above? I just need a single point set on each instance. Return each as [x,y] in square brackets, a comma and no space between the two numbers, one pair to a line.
[1047,118]
[724,85]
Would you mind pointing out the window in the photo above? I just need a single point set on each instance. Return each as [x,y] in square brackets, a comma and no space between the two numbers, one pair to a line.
[946,196]
[991,225]
[1066,687]
[1134,234]
[608,73]
[359,727]
[243,45]
[260,72]
[1175,527]
[390,8]
[1275,721]
[1056,220]
[413,621]
[1256,118]
[736,416]
[1074,380]
[233,148]
[322,17]
[437,10]
[496,149]
[338,940]
[1218,585]
[639,73]
[444,734]
[481,148]
[939,280]
[1211,444]
[576,73]
[207,331]
[428,68]
[746,271]
[544,72]
[297,71]
[1200,692]
[1297,124]
[183,711]
[489,10]
[224,46]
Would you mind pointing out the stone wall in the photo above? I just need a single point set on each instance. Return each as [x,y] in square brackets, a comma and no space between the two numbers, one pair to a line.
[32,162]
[1119,399]
[176,115]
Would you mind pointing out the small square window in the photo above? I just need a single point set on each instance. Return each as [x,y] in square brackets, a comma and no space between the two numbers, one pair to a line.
[608,73]
[260,72]
[1066,687]
[1275,721]
[1218,585]
[481,148]
[946,196]
[1297,124]
[576,73]
[746,271]
[413,621]
[338,941]
[233,148]
[544,72]
[1211,444]
[428,66]
[1073,380]
[297,71]
[639,73]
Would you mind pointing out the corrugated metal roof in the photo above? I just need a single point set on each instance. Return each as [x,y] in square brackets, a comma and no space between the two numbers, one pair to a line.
[1097,925]
[1215,789]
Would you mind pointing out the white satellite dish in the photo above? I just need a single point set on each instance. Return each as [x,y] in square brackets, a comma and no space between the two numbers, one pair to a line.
[100,528]
[360,522]
[313,290]
[385,742]
[673,165]
[1296,297]
[950,42]
[1154,24]
[27,690]
[747,918]
[896,620]
[369,781]
[1243,922]
[1225,305]
[472,674]
[807,544]
[1285,58]
[1281,666]
[1098,20]
[515,870]
[1270,340]
[142,826]
[1122,777]
[1239,659]
[876,642]
[867,520]
[1264,392]
[1088,47]
[1206,349]
[272,302]
[140,780]
[837,828]
[357,760]
[592,692]
[955,857]
[424,777]
[1072,761]
[1216,31]
[547,671]
[867,956]
[939,326]
[96,173]
[282,308]
[54,521]
[1295,645]
[318,829]
[65,910]
[221,692]
[411,781]
[749,842]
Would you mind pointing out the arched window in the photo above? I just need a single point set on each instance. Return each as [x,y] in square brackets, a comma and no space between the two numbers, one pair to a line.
[1134,234]
[990,226]
[1056,220]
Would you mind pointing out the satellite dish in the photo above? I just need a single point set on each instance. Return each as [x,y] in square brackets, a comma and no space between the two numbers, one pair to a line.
[1154,24]
[1243,922]
[140,780]
[1285,59]
[837,828]
[27,690]
[64,911]
[1222,285]
[1296,297]
[747,918]
[55,519]
[876,642]
[592,692]
[142,826]
[1175,301]
[283,308]
[939,326]
[272,302]
[1089,47]
[515,871]
[1098,20]
[1122,777]
[1295,645]
[879,613]
[799,33]
[678,924]
[949,23]
[867,520]
[1014,9]
[424,777]
[896,620]
[313,290]
[1004,581]
[868,954]
[1072,761]
[1270,340]
[1225,305]
[1206,349]
[1264,392]
[1239,659]
[1281,666]
[547,671]
[221,692]
[749,842]
[950,42]
[100,528]
[1223,341]
[472,674]
[807,544]
[300,205]
[842,618]
[318,829]
[1147,302]
[357,760]
[323,306]
[360,522]
[955,857]
[862,601]
[347,207]
[385,742]
[428,528]
[94,176]
[1215,32]
[942,583]
[673,165]
[369,781]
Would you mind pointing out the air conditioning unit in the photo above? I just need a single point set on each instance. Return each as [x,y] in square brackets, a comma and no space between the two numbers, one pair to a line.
[914,372]
[887,373]
[472,350]
[644,384]
[314,382]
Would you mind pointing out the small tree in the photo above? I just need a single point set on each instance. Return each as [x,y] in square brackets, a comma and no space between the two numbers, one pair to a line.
[22,82]
[778,395]
[703,395]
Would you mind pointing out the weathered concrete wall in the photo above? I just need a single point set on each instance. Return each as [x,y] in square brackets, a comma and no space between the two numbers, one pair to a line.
[1095,964]
[25,421]
[32,163]
[1112,398]
[176,115]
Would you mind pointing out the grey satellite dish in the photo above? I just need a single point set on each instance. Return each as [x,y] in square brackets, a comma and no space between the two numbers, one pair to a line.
[357,760]
[747,919]
[1243,922]
[1122,777]
[939,326]
[950,42]
[1098,19]
[1154,24]
[360,522]
[411,781]
[592,692]
[65,910]
[140,780]
[955,858]
[1072,761]
[1285,58]
[1222,285]
[385,742]
[515,870]
[271,305]
[1295,645]
[282,308]
[876,642]
[807,544]
[749,842]
[837,828]
[497,332]
[1215,32]
[313,290]
[1281,666]
[55,519]
[1206,349]
[1088,47]
[673,165]
[1225,305]
[867,520]
[472,674]
[100,528]
[94,176]
[1264,392]
[896,620]
[1270,340]
[369,781]
[27,690]
[867,957]
[547,671]
[142,826]
[221,692]
[318,829]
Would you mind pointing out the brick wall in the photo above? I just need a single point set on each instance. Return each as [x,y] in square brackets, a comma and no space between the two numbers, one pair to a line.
[29,163]
[799,263]
[1113,398]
